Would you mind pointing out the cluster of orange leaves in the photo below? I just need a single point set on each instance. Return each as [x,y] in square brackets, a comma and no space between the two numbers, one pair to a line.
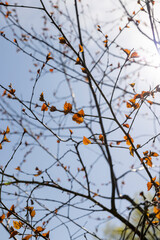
[132,102]
[18,224]
[148,157]
[77,117]
[4,139]
[129,54]
[45,106]
[129,140]
[156,210]
[10,92]
[86,141]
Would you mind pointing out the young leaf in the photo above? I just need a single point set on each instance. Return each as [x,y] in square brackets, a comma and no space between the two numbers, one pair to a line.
[80,48]
[101,137]
[84,70]
[149,185]
[154,154]
[32,213]
[44,107]
[17,224]
[86,141]
[7,130]
[62,40]
[131,149]
[11,210]
[78,117]
[2,218]
[126,125]
[46,234]
[134,55]
[27,237]
[39,229]
[127,51]
[41,98]
[67,108]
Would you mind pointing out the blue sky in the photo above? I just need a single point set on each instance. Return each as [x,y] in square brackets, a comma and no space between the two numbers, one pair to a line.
[15,69]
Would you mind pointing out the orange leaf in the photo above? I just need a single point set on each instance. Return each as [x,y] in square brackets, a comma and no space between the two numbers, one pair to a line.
[134,55]
[137,21]
[132,85]
[67,108]
[39,229]
[33,213]
[78,61]
[17,224]
[150,102]
[131,149]
[127,51]
[153,179]
[62,40]
[80,48]
[48,57]
[128,105]
[136,105]
[29,208]
[128,140]
[4,93]
[71,132]
[101,137]
[86,141]
[10,213]
[148,161]
[84,70]
[44,107]
[81,113]
[5,139]
[78,117]
[1,218]
[157,212]
[128,117]
[132,100]
[51,70]
[0,146]
[27,237]
[126,125]
[149,185]
[46,234]
[7,130]
[38,173]
[18,168]
[154,154]
[145,153]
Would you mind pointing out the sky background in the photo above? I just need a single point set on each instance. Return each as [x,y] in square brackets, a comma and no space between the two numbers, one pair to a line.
[15,69]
